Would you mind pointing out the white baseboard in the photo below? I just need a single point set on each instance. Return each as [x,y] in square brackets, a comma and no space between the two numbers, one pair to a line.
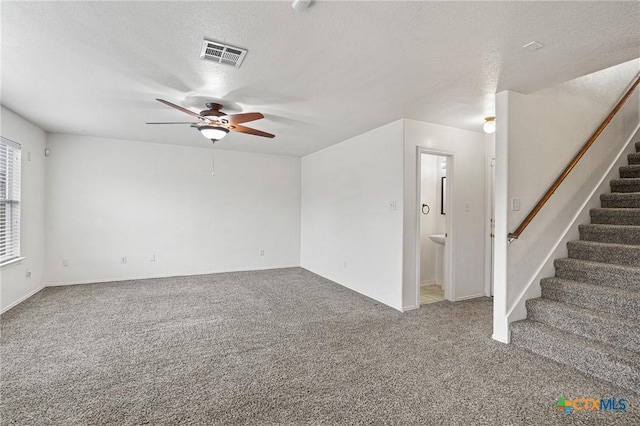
[148,277]
[22,299]
[473,296]
[111,280]
[410,308]
[501,339]
[397,308]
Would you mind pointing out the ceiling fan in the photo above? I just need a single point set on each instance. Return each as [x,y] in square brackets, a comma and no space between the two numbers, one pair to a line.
[215,124]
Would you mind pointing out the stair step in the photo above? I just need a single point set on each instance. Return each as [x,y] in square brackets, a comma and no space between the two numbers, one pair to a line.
[630,171]
[605,274]
[619,234]
[616,301]
[620,254]
[620,216]
[615,365]
[625,185]
[606,328]
[635,157]
[620,200]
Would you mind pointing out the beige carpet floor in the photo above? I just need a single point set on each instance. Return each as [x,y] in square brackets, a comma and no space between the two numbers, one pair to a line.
[272,347]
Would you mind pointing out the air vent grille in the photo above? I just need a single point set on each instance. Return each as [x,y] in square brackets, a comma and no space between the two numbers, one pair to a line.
[222,54]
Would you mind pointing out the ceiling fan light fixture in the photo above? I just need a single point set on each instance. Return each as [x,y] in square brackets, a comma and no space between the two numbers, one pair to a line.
[214,133]
[215,124]
[489,125]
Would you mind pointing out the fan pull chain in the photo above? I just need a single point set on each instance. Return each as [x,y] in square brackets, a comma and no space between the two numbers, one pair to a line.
[213,162]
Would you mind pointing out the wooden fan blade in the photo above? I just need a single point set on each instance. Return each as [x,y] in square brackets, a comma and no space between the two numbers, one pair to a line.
[241,118]
[243,129]
[191,113]
[170,122]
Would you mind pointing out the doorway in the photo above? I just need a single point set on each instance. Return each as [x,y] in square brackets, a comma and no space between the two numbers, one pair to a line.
[434,216]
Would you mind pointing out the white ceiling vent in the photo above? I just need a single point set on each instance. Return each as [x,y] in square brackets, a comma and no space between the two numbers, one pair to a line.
[221,53]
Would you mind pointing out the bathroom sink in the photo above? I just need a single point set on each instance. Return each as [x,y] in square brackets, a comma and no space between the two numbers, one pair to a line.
[437,238]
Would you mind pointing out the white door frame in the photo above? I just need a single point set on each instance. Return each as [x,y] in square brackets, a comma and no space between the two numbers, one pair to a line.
[448,277]
[490,226]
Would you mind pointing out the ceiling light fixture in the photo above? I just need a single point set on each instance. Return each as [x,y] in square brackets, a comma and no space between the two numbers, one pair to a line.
[300,5]
[214,133]
[489,125]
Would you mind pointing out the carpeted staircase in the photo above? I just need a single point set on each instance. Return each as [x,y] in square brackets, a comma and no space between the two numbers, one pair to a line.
[589,314]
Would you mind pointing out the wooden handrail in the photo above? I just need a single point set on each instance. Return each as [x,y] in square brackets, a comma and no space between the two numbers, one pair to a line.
[515,234]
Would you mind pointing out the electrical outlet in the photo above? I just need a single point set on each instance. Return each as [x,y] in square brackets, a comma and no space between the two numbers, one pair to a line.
[152,258]
[123,259]
[515,204]
[65,262]
[27,273]
[261,252]
[392,205]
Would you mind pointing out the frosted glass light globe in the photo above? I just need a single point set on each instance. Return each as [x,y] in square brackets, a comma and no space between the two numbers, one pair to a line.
[489,125]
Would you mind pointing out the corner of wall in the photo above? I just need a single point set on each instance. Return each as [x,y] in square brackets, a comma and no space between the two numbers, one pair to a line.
[500,317]
[349,232]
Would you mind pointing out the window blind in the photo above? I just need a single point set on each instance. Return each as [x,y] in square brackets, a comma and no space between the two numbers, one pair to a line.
[10,160]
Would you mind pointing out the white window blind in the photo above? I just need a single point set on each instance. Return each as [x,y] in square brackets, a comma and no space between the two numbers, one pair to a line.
[9,200]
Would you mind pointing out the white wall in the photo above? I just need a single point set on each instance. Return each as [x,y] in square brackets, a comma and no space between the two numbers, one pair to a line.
[468,230]
[14,285]
[110,198]
[543,131]
[349,233]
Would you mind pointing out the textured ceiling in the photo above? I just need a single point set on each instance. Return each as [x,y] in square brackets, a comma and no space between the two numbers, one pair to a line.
[319,76]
